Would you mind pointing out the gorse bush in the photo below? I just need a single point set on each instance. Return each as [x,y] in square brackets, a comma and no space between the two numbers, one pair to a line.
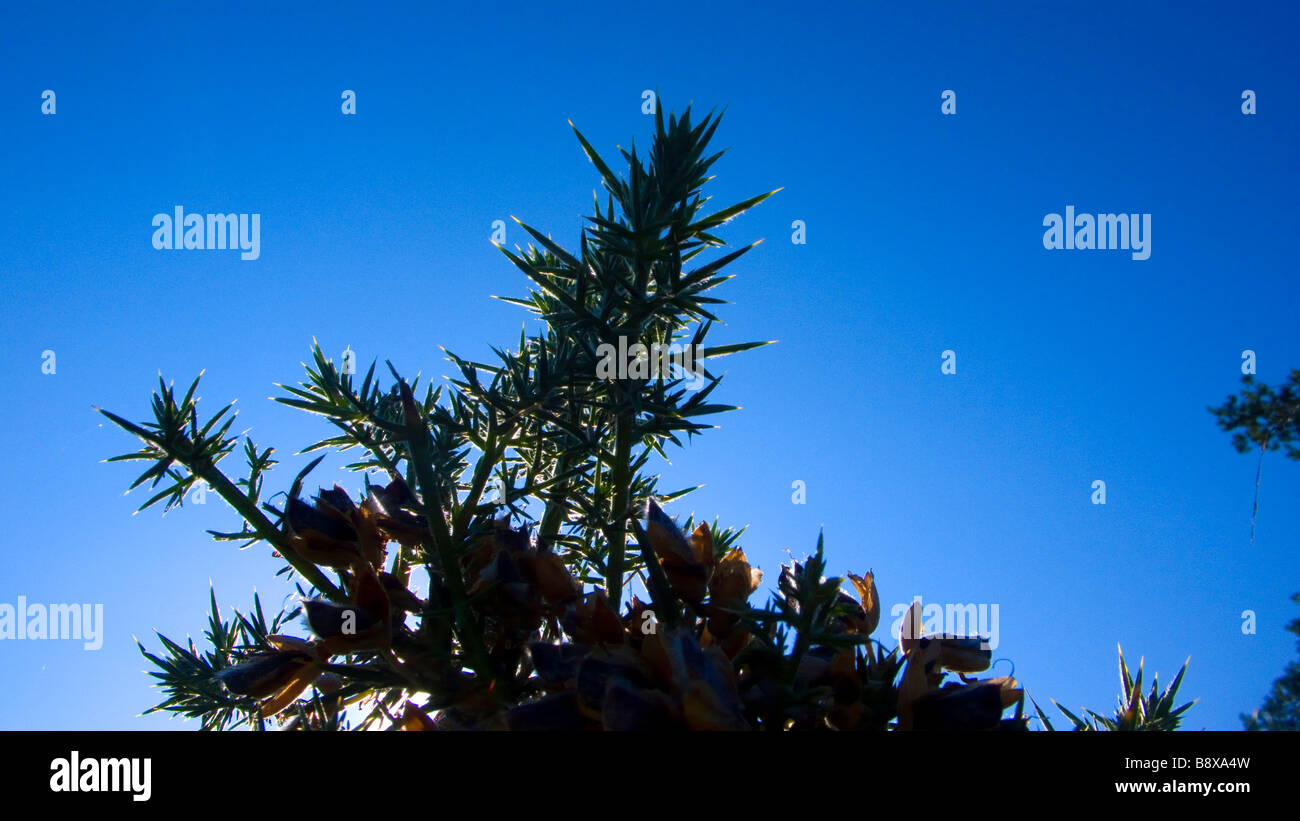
[1153,711]
[484,583]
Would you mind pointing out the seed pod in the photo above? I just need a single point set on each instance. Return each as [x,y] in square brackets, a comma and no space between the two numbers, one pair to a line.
[732,583]
[328,619]
[335,502]
[304,518]
[479,561]
[514,588]
[977,707]
[706,709]
[655,654]
[734,642]
[397,494]
[321,539]
[414,718]
[397,524]
[399,595]
[687,575]
[915,682]
[869,599]
[264,674]
[961,654]
[633,708]
[910,634]
[326,552]
[553,580]
[373,542]
[346,628]
[640,619]
[592,621]
[405,528]
[734,580]
[702,542]
[370,594]
[299,682]
[853,617]
[1011,689]
[291,644]
[556,664]
[706,681]
[598,669]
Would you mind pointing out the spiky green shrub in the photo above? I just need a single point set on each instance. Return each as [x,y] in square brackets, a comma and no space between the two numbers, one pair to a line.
[431,603]
[1153,710]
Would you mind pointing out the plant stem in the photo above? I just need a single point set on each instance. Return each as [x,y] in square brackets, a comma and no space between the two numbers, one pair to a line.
[466,628]
[550,525]
[269,532]
[482,471]
[617,535]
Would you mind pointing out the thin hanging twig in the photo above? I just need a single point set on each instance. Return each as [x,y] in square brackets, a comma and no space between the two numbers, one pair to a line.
[1254,511]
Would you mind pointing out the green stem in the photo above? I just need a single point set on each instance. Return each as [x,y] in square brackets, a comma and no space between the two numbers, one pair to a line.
[466,628]
[265,529]
[617,534]
[482,471]
[550,525]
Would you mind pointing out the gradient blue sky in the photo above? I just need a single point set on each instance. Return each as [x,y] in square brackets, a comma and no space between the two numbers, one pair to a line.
[924,233]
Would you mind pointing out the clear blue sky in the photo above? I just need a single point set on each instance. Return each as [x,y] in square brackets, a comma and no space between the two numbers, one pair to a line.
[924,233]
